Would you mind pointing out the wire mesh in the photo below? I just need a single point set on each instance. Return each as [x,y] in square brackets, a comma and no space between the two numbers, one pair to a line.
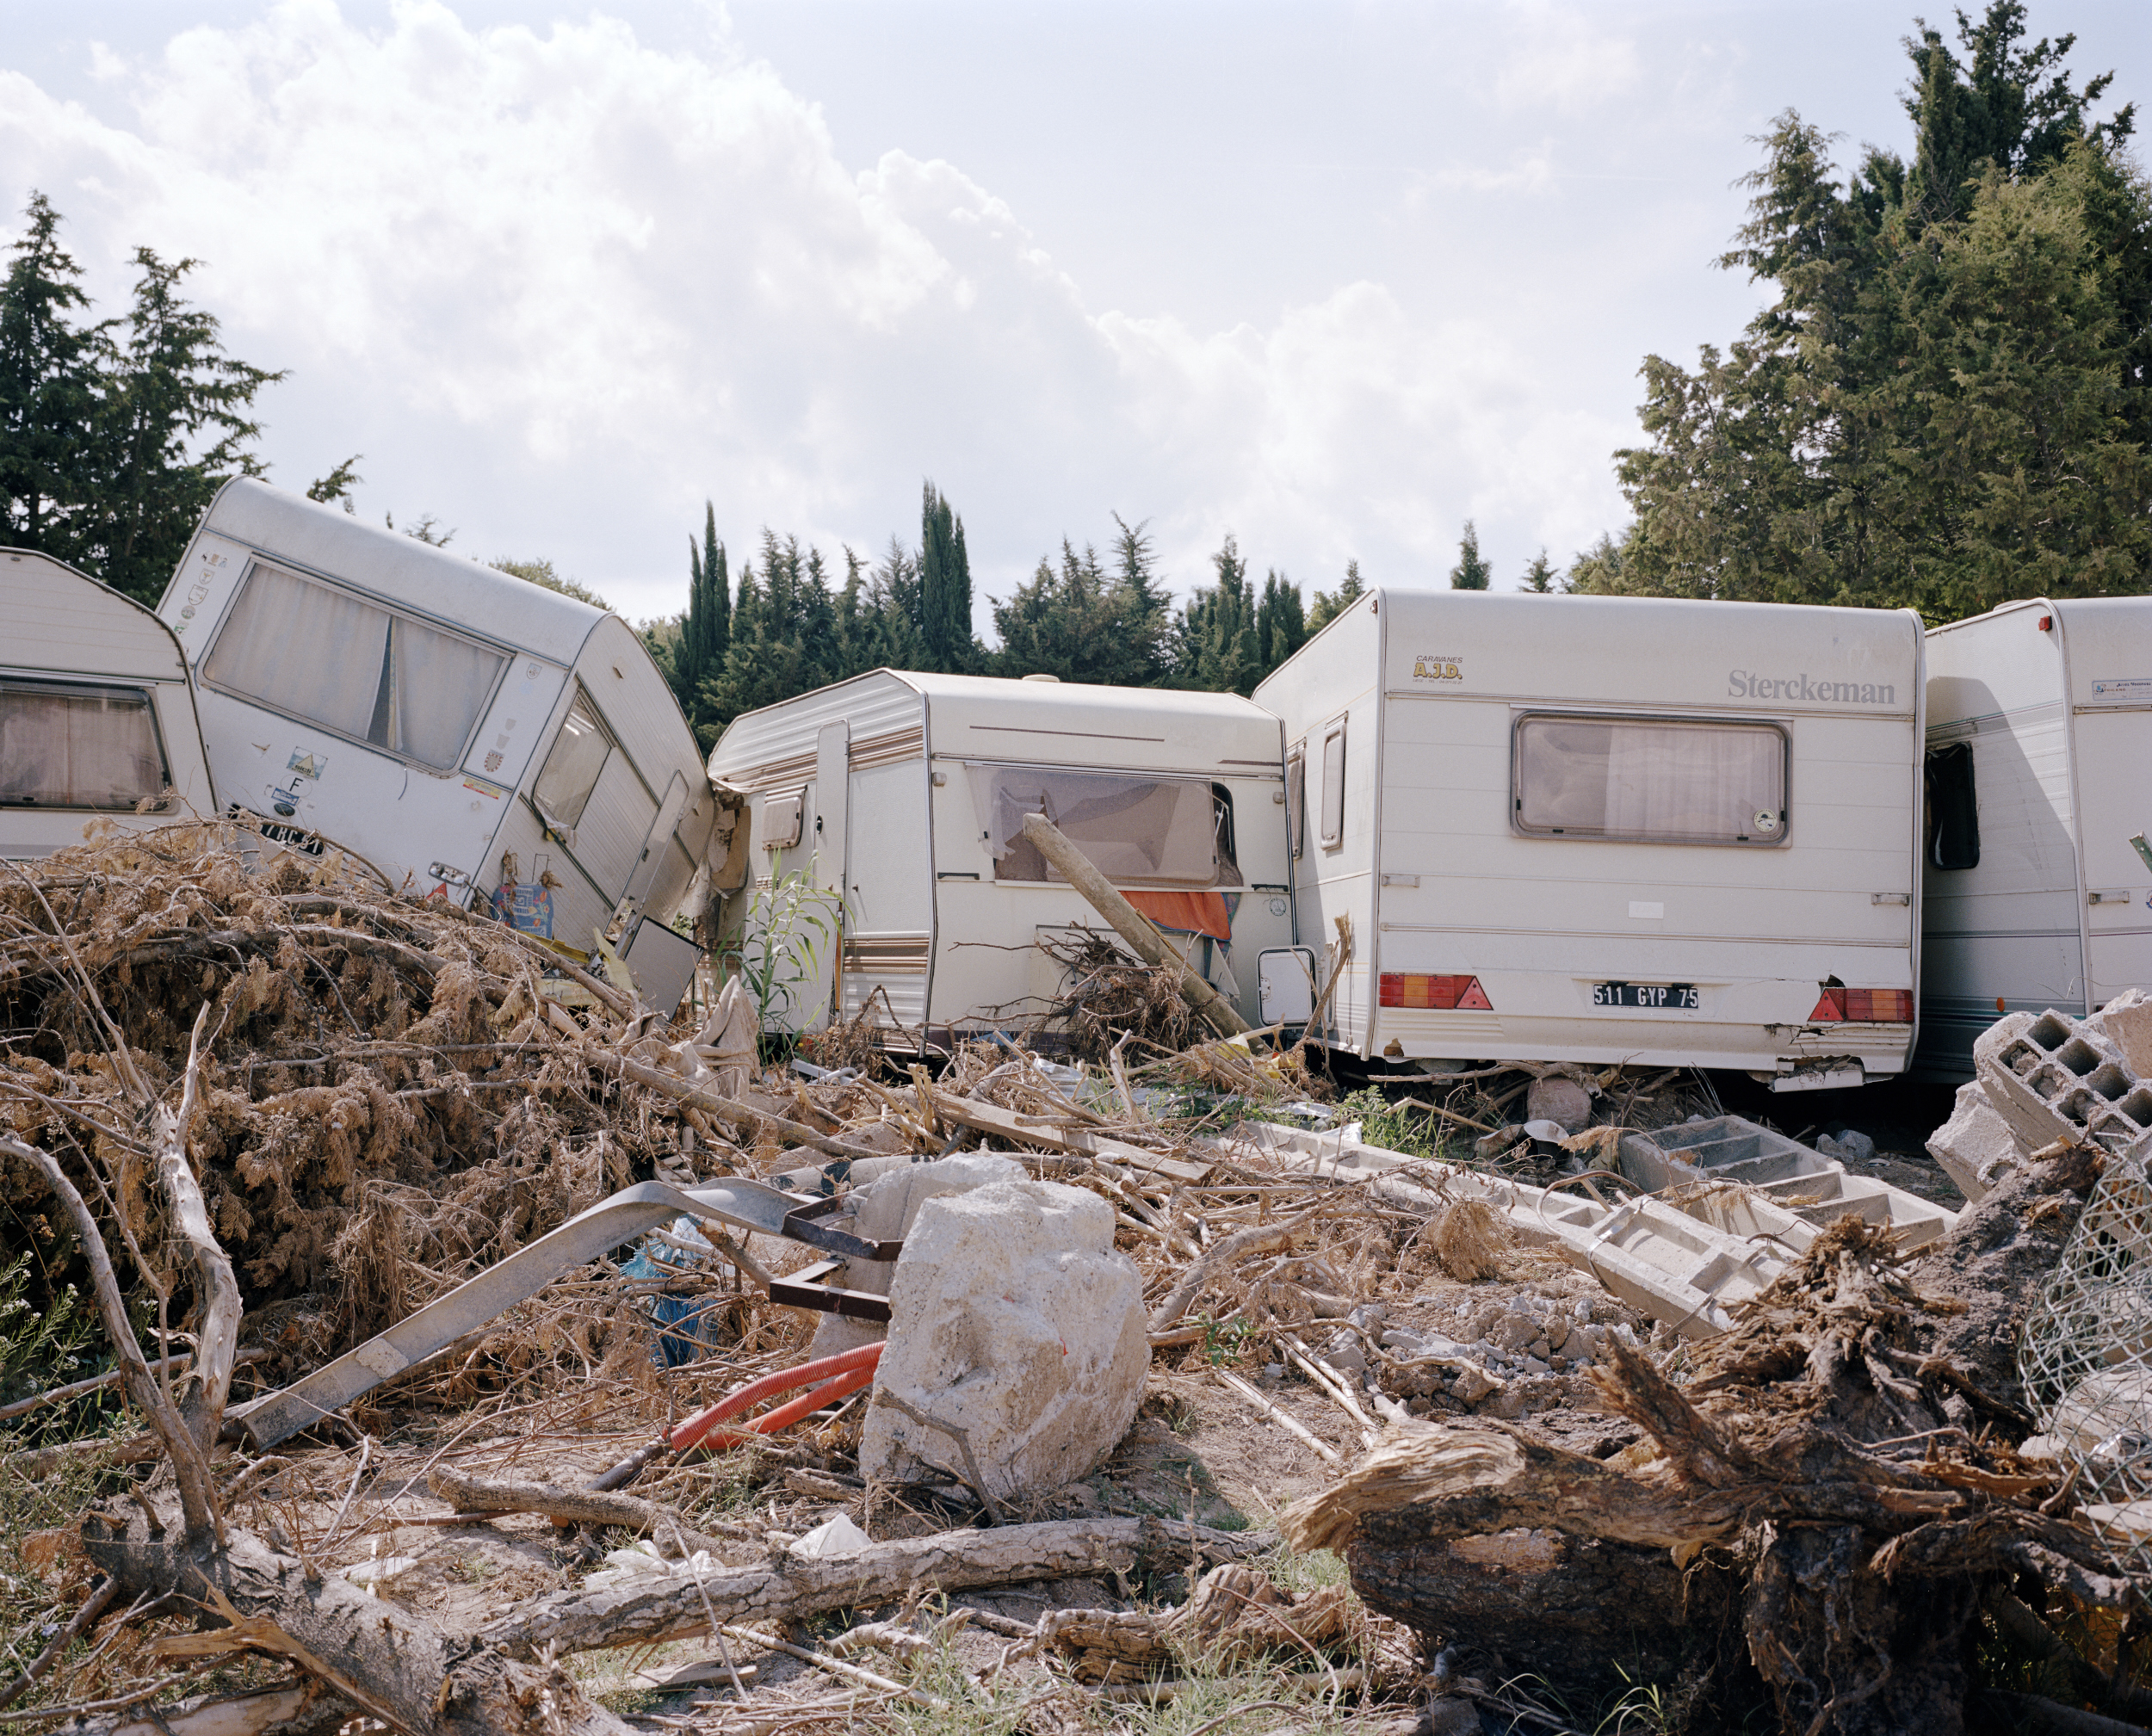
[2086,1360]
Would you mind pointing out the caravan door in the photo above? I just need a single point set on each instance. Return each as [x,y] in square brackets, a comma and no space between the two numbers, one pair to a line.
[823,931]
[2114,745]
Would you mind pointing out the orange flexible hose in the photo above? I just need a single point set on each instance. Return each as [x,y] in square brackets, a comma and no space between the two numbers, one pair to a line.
[831,1377]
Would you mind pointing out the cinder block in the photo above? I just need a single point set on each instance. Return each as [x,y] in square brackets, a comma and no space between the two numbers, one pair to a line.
[1977,1147]
[2050,1077]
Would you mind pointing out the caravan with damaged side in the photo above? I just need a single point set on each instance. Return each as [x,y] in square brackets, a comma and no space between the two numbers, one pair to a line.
[2039,894]
[1608,830]
[96,714]
[435,718]
[894,803]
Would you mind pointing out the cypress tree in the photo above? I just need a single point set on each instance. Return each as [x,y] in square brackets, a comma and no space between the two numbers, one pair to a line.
[1470,573]
[944,586]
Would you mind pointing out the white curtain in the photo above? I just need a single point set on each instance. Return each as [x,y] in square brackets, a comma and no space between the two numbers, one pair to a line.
[440,683]
[304,649]
[1590,775]
[76,749]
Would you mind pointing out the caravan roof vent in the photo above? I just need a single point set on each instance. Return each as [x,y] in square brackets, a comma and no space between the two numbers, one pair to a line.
[1055,678]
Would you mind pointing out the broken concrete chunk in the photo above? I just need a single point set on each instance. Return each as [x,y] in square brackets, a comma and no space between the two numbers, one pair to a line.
[1014,1319]
[882,1211]
[1557,1099]
[1977,1147]
[2127,1020]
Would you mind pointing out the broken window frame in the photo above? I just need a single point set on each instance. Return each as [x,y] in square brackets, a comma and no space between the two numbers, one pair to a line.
[558,820]
[1953,807]
[985,777]
[331,692]
[1524,720]
[128,697]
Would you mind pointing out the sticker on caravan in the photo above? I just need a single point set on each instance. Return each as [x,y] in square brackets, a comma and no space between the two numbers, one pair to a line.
[306,764]
[2124,690]
[1438,666]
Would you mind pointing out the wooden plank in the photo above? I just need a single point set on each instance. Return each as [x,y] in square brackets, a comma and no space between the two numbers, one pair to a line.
[1063,1136]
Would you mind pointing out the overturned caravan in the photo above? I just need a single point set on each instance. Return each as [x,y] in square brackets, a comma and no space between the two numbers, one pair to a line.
[437,719]
[96,714]
[1606,829]
[887,849]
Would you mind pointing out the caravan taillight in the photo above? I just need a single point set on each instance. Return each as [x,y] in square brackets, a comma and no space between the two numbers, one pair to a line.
[1863,1006]
[1433,994]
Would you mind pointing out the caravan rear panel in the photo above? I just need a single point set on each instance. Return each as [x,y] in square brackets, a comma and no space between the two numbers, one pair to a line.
[1606,829]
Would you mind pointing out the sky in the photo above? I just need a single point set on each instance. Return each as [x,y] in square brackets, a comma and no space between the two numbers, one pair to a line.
[1333,279]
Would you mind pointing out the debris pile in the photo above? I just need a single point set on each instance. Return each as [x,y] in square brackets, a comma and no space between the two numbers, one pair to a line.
[933,1387]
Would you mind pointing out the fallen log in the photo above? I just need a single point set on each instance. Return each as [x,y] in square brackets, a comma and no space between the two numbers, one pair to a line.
[1837,1465]
[469,1494]
[793,1587]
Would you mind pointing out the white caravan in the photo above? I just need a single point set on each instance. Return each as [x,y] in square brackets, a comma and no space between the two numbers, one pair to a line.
[97,715]
[435,717]
[1612,829]
[2039,735]
[900,799]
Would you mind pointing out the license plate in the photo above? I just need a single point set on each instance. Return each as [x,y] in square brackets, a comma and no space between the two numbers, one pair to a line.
[1645,995]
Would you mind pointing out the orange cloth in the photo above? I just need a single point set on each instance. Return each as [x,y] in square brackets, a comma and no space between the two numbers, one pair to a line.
[1186,913]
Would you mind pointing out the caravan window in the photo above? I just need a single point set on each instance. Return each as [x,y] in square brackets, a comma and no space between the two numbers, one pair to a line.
[1650,780]
[570,771]
[1953,813]
[1333,802]
[324,654]
[1140,830]
[78,746]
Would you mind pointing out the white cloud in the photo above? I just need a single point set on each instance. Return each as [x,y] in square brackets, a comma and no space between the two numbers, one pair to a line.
[560,285]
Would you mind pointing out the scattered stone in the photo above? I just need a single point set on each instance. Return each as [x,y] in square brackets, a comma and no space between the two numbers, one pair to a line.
[1013,1317]
[1561,1100]
[1975,1147]
[1851,1146]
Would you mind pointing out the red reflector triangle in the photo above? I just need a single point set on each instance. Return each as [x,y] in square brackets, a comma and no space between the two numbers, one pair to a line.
[1475,996]
[1827,1008]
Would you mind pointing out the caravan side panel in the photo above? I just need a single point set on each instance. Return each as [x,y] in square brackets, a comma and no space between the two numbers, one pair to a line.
[2108,654]
[2005,934]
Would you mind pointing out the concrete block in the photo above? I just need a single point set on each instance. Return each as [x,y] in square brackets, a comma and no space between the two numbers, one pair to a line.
[2051,1076]
[1975,1147]
[1557,1099]
[2127,1020]
[1013,1317]
[883,1211]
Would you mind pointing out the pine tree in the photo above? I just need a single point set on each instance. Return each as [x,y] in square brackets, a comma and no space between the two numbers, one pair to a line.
[1328,606]
[944,588]
[705,630]
[1146,605]
[1281,621]
[1540,575]
[1215,645]
[1470,573]
[49,388]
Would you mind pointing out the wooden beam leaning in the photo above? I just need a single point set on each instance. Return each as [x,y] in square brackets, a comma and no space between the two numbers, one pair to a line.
[1130,924]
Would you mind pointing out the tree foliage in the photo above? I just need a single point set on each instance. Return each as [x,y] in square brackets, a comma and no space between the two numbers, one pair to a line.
[1471,572]
[114,434]
[1946,404]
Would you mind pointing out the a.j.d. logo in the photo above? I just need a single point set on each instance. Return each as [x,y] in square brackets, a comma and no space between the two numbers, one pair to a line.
[1438,666]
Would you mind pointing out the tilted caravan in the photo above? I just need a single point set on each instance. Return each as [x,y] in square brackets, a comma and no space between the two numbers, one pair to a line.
[96,714]
[434,716]
[2039,735]
[902,798]
[1602,830]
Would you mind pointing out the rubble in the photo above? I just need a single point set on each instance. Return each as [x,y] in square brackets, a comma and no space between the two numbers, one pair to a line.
[1621,1385]
[1016,1342]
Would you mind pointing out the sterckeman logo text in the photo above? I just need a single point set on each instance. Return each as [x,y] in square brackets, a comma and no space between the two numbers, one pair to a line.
[1741,684]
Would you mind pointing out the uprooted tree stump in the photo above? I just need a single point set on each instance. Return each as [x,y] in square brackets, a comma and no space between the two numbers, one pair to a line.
[1813,1523]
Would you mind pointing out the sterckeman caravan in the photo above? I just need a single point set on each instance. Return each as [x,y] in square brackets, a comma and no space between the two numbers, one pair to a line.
[1603,830]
